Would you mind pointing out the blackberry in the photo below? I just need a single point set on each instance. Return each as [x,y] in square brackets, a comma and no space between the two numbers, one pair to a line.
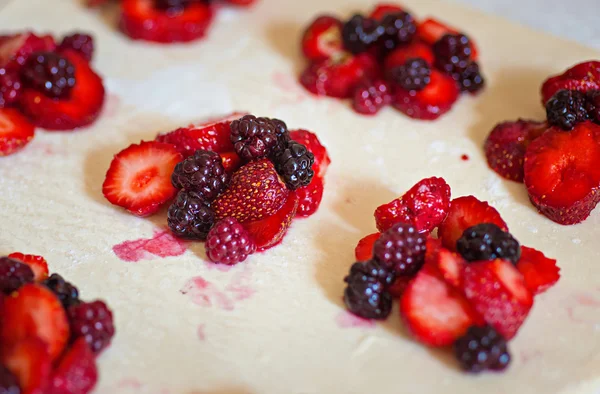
[94,322]
[360,33]
[401,249]
[482,348]
[228,242]
[470,79]
[371,96]
[415,74]
[366,294]
[566,108]
[65,291]
[254,138]
[280,127]
[8,382]
[294,164]
[49,73]
[13,275]
[172,6]
[398,28]
[593,105]
[452,53]
[202,173]
[79,42]
[190,216]
[487,241]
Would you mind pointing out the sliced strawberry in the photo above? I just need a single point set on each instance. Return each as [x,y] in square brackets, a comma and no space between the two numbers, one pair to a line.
[431,30]
[141,20]
[81,108]
[28,359]
[35,311]
[540,272]
[309,197]
[399,56]
[498,292]
[505,146]
[399,286]
[15,50]
[269,231]
[466,212]
[231,161]
[38,264]
[76,373]
[383,9]
[312,143]
[15,131]
[369,64]
[322,39]
[582,77]
[335,77]
[364,248]
[562,175]
[451,266]
[139,177]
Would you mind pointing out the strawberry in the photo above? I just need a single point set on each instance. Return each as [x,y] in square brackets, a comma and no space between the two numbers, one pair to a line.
[431,30]
[322,39]
[29,361]
[383,9]
[269,231]
[434,100]
[80,109]
[364,248]
[312,143]
[309,197]
[451,265]
[15,49]
[399,286]
[498,292]
[241,3]
[582,77]
[140,20]
[15,131]
[255,192]
[540,272]
[231,161]
[76,373]
[466,212]
[335,77]
[38,264]
[399,56]
[35,311]
[561,172]
[369,65]
[139,177]
[505,146]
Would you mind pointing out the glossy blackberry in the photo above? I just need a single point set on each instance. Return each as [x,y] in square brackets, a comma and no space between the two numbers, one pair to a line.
[593,105]
[10,87]
[49,73]
[65,291]
[470,79]
[566,108]
[366,294]
[80,43]
[8,382]
[294,164]
[401,249]
[254,138]
[94,322]
[452,53]
[482,348]
[228,242]
[360,33]
[398,28]
[487,241]
[415,74]
[280,127]
[13,275]
[190,216]
[202,173]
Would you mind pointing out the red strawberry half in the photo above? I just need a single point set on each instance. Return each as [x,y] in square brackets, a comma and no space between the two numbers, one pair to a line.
[76,373]
[15,49]
[312,143]
[309,197]
[38,264]
[451,265]
[28,360]
[15,131]
[582,77]
[322,39]
[335,77]
[539,271]
[139,177]
[269,231]
[364,248]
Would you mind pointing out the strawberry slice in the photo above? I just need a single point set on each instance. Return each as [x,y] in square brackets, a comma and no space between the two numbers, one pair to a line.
[15,131]
[335,77]
[30,362]
[399,56]
[322,39]
[35,311]
[309,197]
[562,175]
[139,177]
[81,108]
[38,264]
[451,265]
[582,77]
[231,161]
[539,271]
[498,292]
[15,49]
[466,212]
[269,231]
[364,248]
[312,143]
[76,373]
[431,30]
[383,9]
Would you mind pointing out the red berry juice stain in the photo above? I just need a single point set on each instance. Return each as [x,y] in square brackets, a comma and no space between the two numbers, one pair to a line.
[464,157]
[200,332]
[584,309]
[346,319]
[162,244]
[129,383]
[289,85]
[113,102]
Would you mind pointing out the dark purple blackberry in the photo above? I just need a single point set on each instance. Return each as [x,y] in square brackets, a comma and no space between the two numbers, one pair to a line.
[360,33]
[366,294]
[202,173]
[280,127]
[398,28]
[94,322]
[8,382]
[49,73]
[293,162]
[401,249]
[470,79]
[593,105]
[452,53]
[190,216]
[482,348]
[413,75]
[13,275]
[254,138]
[65,291]
[487,241]
[228,242]
[172,6]
[81,43]
[567,108]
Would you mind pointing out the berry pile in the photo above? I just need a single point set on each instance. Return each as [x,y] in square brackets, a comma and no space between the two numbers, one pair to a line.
[388,57]
[557,159]
[49,337]
[472,286]
[45,83]
[235,182]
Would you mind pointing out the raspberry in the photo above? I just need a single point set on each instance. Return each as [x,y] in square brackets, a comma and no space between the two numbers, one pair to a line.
[8,382]
[398,28]
[190,216]
[254,138]
[401,249]
[360,33]
[294,164]
[593,105]
[566,108]
[229,243]
[413,75]
[80,43]
[470,79]
[452,53]
[487,241]
[94,322]
[202,173]
[10,87]
[65,291]
[366,294]
[482,348]
[49,73]
[370,97]
[13,275]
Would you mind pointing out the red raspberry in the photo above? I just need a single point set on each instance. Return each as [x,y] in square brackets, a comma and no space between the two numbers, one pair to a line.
[10,87]
[94,322]
[229,243]
[370,97]
[309,197]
